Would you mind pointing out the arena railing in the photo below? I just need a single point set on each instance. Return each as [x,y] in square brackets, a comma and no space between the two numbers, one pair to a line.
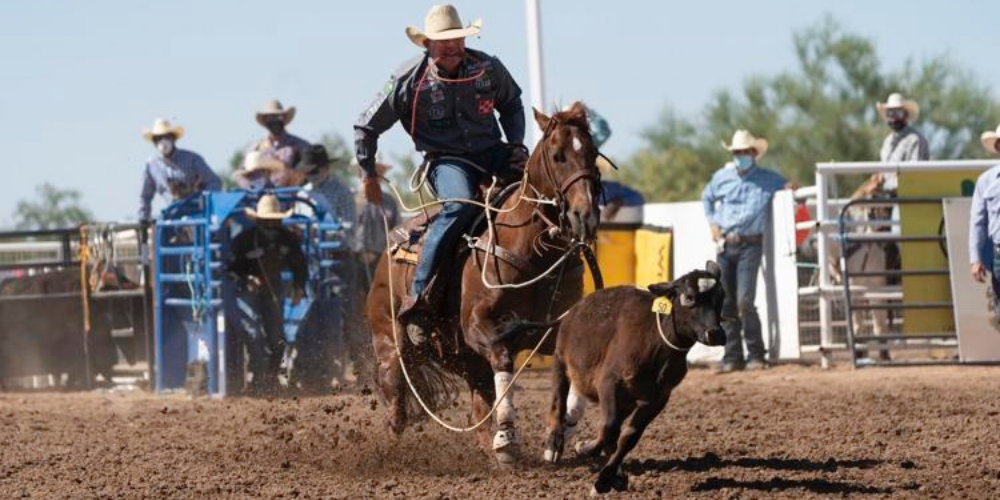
[826,220]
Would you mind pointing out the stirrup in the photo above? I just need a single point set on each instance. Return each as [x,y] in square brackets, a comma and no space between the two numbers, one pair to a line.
[416,333]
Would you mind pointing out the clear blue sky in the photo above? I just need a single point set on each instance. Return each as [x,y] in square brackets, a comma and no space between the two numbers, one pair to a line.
[80,79]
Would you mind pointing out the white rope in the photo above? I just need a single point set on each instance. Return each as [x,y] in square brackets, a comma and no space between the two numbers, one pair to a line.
[659,328]
[406,375]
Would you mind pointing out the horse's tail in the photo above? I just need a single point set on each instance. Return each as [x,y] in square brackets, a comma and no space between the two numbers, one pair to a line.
[514,329]
[438,387]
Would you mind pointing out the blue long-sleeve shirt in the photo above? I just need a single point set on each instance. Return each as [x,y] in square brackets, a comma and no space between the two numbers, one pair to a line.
[984,218]
[173,178]
[738,204]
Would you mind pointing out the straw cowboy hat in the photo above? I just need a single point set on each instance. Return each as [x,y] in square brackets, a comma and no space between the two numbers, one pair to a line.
[442,23]
[274,107]
[989,140]
[743,139]
[162,127]
[896,101]
[268,208]
[257,161]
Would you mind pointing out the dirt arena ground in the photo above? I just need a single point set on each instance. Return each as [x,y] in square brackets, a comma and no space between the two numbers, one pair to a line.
[791,432]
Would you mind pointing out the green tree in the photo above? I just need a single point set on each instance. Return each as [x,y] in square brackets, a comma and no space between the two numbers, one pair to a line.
[822,110]
[51,208]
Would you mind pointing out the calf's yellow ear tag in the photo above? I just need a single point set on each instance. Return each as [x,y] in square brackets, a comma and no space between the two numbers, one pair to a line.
[663,305]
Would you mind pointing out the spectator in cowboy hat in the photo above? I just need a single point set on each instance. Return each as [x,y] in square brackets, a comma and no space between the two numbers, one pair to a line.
[904,143]
[257,257]
[279,143]
[313,171]
[984,226]
[258,171]
[171,172]
[737,202]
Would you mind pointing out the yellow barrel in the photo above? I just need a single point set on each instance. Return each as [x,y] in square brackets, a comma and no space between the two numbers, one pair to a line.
[653,255]
[615,255]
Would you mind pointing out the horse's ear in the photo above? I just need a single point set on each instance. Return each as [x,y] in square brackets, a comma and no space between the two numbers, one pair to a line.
[541,119]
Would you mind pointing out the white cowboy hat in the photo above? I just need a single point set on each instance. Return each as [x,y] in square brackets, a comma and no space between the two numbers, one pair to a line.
[896,101]
[989,140]
[442,23]
[162,127]
[268,208]
[743,139]
[256,161]
[274,107]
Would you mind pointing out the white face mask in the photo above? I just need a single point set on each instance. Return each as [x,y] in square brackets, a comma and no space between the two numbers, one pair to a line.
[165,146]
[256,183]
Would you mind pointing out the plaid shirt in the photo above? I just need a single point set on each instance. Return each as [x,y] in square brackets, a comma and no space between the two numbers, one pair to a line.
[174,178]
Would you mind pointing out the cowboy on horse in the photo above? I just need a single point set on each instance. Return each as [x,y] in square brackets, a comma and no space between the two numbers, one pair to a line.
[446,99]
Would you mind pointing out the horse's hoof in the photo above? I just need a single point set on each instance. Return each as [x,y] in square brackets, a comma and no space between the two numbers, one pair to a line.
[506,446]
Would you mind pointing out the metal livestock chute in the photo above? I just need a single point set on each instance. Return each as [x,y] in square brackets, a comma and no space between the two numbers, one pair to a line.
[198,313]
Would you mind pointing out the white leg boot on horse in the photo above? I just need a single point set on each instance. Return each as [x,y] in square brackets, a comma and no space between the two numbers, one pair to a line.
[505,441]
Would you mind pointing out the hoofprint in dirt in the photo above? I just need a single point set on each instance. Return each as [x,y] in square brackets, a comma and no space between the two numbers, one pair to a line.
[789,432]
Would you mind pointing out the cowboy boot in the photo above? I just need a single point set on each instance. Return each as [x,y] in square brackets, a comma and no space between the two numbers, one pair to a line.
[412,314]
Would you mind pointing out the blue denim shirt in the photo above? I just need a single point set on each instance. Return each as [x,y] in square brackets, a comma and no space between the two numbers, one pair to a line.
[984,218]
[175,178]
[738,204]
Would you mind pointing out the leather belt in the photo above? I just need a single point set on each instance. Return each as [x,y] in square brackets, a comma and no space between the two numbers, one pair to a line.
[744,239]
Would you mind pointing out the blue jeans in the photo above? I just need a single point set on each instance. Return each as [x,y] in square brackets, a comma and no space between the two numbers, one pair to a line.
[453,179]
[996,283]
[450,180]
[740,264]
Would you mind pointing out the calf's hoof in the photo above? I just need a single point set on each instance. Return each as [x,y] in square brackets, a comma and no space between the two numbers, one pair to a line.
[551,456]
[610,481]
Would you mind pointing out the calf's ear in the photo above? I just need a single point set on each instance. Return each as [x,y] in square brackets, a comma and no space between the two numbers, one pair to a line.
[713,268]
[666,289]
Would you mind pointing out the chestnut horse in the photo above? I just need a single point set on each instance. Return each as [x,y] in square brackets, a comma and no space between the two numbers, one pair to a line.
[551,214]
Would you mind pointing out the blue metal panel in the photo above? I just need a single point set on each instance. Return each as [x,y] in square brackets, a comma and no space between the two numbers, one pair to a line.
[193,295]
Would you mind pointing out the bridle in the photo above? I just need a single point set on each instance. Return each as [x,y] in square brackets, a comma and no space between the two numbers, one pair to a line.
[561,188]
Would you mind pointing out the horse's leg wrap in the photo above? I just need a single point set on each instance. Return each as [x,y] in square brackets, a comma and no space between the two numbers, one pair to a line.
[506,415]
[505,407]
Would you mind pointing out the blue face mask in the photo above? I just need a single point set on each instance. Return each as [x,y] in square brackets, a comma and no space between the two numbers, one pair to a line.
[743,162]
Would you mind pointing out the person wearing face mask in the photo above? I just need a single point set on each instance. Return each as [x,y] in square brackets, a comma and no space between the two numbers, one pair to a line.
[257,171]
[904,143]
[454,102]
[257,256]
[171,172]
[737,204]
[984,228]
[279,143]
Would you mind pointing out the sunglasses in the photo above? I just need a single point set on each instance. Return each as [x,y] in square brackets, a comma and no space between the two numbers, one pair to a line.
[896,114]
